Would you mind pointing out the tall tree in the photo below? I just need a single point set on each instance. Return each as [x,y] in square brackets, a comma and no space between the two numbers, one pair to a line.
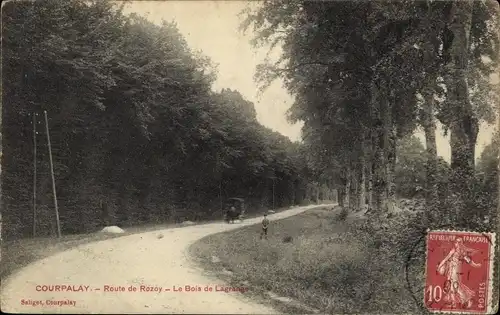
[135,125]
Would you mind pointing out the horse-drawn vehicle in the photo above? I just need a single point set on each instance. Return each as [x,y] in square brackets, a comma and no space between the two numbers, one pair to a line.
[234,209]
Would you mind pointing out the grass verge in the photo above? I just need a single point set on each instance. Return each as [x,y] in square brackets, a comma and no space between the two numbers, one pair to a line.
[320,258]
[17,254]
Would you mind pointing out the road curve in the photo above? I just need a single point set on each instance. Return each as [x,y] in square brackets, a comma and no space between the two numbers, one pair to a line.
[130,261]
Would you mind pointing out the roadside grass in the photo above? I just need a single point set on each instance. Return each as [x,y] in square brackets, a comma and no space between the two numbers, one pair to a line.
[17,254]
[320,258]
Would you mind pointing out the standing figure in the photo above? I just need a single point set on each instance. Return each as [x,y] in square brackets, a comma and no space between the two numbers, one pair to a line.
[265,224]
[450,267]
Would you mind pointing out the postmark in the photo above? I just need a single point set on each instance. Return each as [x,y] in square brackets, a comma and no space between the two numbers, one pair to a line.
[459,272]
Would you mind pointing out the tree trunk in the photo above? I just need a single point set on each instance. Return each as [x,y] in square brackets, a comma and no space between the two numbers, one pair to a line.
[379,175]
[462,165]
[391,169]
[464,127]
[390,154]
[369,170]
[431,48]
[363,171]
[429,125]
[347,188]
[382,163]
[340,196]
[362,183]
[379,161]
[354,188]
[318,189]
[463,144]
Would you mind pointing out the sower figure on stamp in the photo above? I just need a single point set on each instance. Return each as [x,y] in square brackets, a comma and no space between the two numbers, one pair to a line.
[455,290]
[265,225]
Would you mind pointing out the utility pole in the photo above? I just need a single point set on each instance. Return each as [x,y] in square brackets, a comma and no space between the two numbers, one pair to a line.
[34,174]
[52,175]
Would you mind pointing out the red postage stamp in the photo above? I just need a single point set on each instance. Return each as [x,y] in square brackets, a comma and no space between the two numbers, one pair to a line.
[459,272]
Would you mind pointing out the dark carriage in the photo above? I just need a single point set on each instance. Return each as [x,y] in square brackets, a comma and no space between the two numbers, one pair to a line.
[234,209]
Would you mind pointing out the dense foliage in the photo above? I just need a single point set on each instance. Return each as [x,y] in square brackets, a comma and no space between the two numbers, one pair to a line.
[410,171]
[487,174]
[366,74]
[137,133]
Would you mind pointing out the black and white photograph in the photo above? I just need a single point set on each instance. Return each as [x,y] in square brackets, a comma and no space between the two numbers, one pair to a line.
[250,157]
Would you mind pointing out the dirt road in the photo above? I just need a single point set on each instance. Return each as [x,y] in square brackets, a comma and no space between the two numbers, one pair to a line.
[141,261]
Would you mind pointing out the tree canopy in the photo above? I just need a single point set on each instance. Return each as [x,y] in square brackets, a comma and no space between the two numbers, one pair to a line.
[134,124]
[365,74]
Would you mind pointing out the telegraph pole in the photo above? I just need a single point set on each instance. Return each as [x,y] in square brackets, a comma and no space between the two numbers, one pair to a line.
[34,174]
[52,175]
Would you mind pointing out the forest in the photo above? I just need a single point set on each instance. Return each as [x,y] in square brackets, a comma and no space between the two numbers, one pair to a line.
[367,75]
[133,125]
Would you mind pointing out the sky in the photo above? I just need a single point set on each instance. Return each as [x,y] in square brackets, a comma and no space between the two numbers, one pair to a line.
[213,28]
